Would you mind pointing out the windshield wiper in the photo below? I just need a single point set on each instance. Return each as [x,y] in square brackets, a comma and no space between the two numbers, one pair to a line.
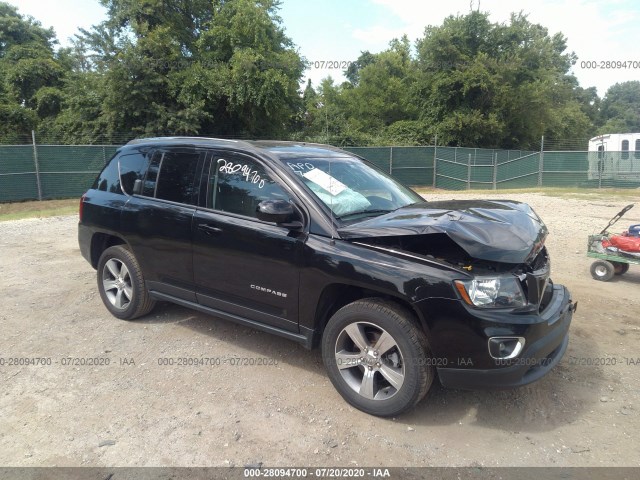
[364,213]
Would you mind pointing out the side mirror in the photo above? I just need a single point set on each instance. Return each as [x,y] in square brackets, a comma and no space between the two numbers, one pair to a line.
[137,187]
[280,212]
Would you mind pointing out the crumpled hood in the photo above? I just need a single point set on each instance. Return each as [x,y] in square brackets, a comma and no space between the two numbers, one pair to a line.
[497,230]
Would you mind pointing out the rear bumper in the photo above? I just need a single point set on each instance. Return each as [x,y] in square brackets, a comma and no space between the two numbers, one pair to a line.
[536,360]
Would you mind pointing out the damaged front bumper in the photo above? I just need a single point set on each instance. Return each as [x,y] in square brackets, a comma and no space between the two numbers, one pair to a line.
[545,334]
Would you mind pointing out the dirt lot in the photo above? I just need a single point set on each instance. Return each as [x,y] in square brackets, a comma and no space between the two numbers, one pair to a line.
[135,412]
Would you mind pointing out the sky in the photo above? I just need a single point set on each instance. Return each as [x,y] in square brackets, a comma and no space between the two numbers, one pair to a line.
[338,30]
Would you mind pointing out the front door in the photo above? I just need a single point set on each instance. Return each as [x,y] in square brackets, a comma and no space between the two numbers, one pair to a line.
[242,265]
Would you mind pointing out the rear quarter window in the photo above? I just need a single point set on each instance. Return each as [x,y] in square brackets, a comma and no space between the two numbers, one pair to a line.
[132,167]
[109,179]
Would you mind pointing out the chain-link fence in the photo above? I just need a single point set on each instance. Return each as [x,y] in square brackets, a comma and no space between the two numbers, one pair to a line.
[43,172]
[30,172]
[458,168]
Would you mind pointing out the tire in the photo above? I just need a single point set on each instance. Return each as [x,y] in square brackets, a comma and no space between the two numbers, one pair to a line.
[379,382]
[620,268]
[602,270]
[121,284]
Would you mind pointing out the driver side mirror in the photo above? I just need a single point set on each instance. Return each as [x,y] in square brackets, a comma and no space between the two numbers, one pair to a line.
[279,212]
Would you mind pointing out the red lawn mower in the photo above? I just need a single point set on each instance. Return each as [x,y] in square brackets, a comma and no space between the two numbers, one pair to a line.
[614,252]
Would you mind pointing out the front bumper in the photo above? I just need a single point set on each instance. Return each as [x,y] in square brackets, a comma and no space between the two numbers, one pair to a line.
[547,337]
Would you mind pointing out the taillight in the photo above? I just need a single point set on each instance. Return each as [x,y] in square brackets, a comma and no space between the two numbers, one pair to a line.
[81,206]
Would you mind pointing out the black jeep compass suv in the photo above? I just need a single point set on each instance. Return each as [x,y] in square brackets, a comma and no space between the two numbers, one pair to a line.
[317,245]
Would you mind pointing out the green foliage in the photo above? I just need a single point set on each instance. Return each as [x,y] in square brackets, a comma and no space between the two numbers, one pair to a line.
[16,123]
[471,82]
[496,85]
[378,95]
[621,108]
[187,67]
[353,71]
[30,75]
[382,95]
[227,68]
[407,133]
[29,69]
[16,30]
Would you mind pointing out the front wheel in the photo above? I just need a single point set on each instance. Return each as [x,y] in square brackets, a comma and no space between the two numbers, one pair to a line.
[121,284]
[377,357]
[602,270]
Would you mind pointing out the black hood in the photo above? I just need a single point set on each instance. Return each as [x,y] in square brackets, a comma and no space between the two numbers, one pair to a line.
[497,230]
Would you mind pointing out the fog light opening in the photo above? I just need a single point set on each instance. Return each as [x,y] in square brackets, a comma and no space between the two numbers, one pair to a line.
[505,348]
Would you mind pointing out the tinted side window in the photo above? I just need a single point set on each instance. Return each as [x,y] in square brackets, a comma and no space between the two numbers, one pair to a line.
[237,184]
[108,180]
[149,187]
[171,176]
[176,179]
[132,168]
[625,149]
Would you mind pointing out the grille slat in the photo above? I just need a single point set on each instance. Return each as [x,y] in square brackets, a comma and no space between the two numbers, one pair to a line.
[537,282]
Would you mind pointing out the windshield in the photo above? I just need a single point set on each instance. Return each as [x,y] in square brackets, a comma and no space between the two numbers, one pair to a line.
[351,188]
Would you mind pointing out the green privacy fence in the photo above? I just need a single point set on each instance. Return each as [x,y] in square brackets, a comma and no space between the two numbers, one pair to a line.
[410,165]
[29,172]
[459,168]
[49,171]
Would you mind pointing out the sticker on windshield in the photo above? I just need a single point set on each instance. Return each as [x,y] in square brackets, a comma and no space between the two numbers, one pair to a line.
[326,181]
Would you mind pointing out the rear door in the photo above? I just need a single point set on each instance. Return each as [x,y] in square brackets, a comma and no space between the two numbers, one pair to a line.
[158,221]
[242,265]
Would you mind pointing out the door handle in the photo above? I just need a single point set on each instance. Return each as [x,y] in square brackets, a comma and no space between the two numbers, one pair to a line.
[209,229]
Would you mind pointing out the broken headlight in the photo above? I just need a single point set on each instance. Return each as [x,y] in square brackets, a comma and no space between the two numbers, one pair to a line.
[492,292]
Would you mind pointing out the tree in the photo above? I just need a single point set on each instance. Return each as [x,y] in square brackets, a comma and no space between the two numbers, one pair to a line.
[496,85]
[16,30]
[620,111]
[222,67]
[377,95]
[382,94]
[353,71]
[31,75]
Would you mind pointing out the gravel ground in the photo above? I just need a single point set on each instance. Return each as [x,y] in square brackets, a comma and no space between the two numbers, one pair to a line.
[135,412]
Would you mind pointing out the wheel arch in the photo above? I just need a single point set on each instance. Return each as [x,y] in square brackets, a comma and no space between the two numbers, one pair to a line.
[100,242]
[337,295]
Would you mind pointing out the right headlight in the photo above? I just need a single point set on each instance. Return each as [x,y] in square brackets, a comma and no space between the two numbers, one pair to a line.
[492,292]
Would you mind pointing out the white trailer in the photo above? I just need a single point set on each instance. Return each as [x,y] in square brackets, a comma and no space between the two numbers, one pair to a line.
[615,156]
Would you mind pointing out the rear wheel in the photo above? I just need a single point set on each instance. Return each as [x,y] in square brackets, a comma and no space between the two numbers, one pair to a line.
[620,268]
[377,357]
[121,284]
[602,270]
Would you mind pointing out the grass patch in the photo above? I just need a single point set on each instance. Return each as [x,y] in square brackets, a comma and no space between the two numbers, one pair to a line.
[46,208]
[564,192]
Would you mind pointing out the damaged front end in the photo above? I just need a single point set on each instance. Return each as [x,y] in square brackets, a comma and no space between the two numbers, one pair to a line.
[499,245]
[503,311]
